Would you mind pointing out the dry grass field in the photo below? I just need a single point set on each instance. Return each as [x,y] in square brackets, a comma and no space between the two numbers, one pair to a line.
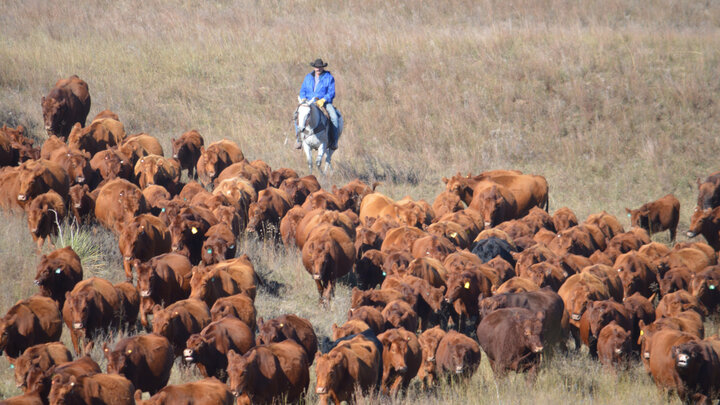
[615,102]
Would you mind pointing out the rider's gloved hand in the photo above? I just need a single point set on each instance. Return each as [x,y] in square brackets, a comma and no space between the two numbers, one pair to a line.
[320,102]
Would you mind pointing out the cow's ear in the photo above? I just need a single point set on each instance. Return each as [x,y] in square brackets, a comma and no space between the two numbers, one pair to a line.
[231,355]
[138,395]
[334,327]
[42,101]
[445,180]
[540,315]
[260,321]
[156,308]
[628,210]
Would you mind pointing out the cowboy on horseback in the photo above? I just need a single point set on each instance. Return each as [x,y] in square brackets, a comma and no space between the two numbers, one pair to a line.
[319,85]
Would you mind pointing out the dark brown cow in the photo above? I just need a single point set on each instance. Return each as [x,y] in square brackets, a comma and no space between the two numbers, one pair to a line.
[679,301]
[457,357]
[636,273]
[351,327]
[44,215]
[90,308]
[698,365]
[610,277]
[662,362]
[239,305]
[314,218]
[118,202]
[224,279]
[430,270]
[298,189]
[111,163]
[145,360]
[516,285]
[67,103]
[436,247]
[164,280]
[353,362]
[351,194]
[57,273]
[708,192]
[40,176]
[429,341]
[399,314]
[29,322]
[614,345]
[278,176]
[38,358]
[256,172]
[512,339]
[188,230]
[376,298]
[402,357]
[180,320]
[129,298]
[271,206]
[369,269]
[638,309]
[288,327]
[187,150]
[555,322]
[706,223]
[39,379]
[269,373]
[447,202]
[215,158]
[675,279]
[596,316]
[155,169]
[75,163]
[327,255]
[91,389]
[208,349]
[495,202]
[464,288]
[370,316]
[289,223]
[145,237]
[657,216]
[219,244]
[705,286]
[208,391]
[99,135]
[322,199]
[82,202]
[576,292]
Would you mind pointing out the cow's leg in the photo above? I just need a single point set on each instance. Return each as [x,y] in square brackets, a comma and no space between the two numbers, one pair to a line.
[74,338]
[128,270]
[320,288]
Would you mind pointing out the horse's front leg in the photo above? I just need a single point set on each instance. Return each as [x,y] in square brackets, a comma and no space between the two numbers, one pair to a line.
[322,150]
[308,156]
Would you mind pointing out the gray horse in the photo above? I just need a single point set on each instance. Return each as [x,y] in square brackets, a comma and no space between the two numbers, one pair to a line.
[313,127]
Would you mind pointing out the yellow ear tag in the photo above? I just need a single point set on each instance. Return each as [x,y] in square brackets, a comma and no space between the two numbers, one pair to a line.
[642,332]
[193,230]
[281,325]
[453,235]
[129,351]
[467,285]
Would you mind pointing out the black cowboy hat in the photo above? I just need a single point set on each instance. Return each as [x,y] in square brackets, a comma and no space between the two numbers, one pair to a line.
[318,63]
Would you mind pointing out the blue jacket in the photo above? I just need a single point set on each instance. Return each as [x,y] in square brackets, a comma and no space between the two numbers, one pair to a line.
[325,88]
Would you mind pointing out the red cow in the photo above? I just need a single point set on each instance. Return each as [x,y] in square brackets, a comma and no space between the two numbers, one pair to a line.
[657,216]
[29,322]
[187,150]
[67,103]
[146,360]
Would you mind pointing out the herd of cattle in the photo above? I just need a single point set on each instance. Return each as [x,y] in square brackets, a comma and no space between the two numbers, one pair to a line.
[485,268]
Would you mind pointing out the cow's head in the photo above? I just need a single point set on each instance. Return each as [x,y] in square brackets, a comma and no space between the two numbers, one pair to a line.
[331,369]
[273,330]
[688,358]
[461,284]
[54,114]
[429,341]
[148,279]
[241,371]
[533,332]
[198,347]
[123,358]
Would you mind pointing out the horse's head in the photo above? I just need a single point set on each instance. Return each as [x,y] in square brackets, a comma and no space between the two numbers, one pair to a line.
[307,115]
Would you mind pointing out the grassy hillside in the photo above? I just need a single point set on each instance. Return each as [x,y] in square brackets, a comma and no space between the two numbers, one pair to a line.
[614,102]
